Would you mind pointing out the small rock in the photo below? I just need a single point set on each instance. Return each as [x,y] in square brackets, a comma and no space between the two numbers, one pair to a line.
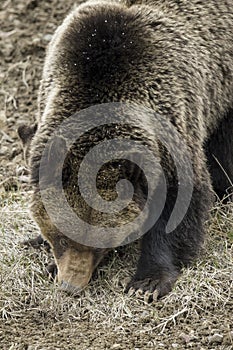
[17,22]
[36,41]
[185,337]
[116,346]
[47,37]
[3,150]
[228,338]
[175,345]
[216,338]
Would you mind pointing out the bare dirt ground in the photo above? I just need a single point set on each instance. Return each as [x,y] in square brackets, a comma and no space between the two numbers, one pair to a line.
[34,314]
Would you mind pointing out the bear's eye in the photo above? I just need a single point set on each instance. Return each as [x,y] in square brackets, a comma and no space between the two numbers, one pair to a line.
[63,242]
[98,250]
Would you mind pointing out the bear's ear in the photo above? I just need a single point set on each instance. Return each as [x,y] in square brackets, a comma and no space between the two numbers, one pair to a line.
[26,132]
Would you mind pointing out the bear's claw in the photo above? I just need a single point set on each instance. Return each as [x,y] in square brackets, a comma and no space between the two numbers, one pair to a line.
[143,289]
[36,243]
[150,289]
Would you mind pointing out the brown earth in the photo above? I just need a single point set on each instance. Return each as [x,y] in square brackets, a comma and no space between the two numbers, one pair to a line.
[34,314]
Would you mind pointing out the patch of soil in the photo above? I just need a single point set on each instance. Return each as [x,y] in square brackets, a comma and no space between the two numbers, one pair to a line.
[26,28]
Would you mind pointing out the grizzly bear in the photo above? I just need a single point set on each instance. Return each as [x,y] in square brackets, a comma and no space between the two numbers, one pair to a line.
[174,58]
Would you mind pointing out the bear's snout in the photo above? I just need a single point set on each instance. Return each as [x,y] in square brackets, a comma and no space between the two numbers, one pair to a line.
[75,269]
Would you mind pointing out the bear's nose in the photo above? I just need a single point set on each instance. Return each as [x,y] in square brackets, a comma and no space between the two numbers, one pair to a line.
[69,288]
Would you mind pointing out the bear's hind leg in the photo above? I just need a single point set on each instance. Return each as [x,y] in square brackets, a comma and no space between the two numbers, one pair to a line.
[219,152]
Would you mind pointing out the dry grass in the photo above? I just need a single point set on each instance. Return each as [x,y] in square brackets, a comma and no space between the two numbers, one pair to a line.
[35,314]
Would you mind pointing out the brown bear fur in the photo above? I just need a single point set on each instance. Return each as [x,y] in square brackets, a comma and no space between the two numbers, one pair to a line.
[175,57]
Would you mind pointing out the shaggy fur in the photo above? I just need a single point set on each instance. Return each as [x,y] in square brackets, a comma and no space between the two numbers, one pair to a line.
[175,57]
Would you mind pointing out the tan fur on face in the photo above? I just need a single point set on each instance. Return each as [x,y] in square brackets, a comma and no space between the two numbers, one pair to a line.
[75,268]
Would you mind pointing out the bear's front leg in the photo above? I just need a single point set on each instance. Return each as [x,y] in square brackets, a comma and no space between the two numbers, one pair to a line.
[164,254]
[156,271]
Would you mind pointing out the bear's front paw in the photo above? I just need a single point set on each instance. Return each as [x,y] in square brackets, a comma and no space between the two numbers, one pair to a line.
[151,289]
[36,243]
